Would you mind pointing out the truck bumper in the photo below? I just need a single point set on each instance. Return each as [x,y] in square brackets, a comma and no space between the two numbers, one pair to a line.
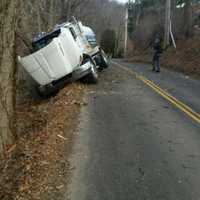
[81,71]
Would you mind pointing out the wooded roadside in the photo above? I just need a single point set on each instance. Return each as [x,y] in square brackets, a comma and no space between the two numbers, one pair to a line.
[20,22]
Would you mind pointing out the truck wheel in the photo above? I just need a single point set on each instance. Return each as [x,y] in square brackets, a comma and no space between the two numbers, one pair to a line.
[104,61]
[47,92]
[92,77]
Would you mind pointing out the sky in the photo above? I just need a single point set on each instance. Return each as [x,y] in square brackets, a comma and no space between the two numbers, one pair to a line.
[122,1]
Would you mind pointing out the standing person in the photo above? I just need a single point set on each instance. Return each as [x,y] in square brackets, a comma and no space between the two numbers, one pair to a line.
[157,48]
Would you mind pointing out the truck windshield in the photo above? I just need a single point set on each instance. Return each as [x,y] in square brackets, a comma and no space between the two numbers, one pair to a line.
[44,41]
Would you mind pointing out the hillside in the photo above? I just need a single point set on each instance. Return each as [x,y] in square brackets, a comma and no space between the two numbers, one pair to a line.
[184,59]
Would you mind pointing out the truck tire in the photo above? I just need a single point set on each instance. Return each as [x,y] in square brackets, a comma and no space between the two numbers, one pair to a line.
[47,92]
[92,77]
[104,61]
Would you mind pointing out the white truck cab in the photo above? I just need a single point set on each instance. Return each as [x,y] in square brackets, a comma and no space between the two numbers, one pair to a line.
[59,56]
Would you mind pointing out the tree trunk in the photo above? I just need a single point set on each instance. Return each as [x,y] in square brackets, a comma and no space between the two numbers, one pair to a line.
[188,18]
[7,71]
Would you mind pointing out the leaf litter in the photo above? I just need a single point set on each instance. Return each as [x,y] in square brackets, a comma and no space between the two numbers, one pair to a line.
[36,166]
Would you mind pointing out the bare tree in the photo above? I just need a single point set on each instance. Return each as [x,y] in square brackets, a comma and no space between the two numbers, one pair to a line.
[187,18]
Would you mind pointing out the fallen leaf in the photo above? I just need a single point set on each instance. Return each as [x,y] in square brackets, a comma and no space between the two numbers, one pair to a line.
[59,187]
[24,187]
[60,136]
[12,148]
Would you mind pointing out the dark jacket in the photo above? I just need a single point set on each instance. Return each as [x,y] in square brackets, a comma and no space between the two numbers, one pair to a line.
[157,48]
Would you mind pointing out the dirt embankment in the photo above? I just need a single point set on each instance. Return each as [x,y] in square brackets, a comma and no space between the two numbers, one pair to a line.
[186,58]
[36,166]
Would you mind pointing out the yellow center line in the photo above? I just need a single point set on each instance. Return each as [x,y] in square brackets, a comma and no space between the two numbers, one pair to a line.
[174,99]
[186,109]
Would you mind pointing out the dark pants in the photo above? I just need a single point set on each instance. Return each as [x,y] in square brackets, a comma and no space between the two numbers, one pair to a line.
[156,62]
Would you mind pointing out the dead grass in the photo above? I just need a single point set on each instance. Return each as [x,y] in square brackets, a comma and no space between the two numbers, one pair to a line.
[185,58]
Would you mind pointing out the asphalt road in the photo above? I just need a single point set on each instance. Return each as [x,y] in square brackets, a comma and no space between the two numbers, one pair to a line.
[132,144]
[183,87]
